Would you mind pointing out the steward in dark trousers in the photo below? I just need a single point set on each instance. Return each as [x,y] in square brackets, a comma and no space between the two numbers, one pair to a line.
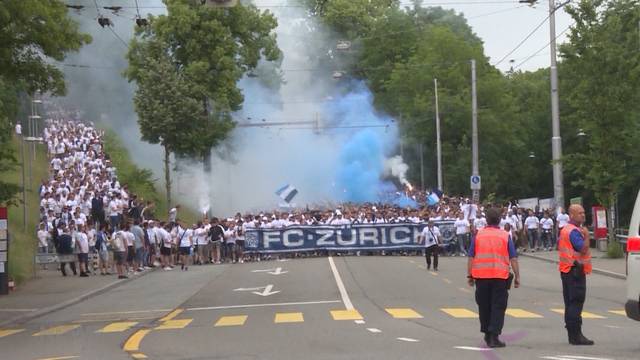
[490,254]
[574,265]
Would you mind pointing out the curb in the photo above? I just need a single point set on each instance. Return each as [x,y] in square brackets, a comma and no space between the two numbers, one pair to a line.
[70,302]
[595,270]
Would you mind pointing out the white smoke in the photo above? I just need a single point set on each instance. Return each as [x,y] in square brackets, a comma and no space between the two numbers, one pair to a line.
[396,167]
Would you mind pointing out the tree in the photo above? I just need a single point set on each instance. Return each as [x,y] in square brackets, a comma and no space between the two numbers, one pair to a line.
[602,65]
[212,48]
[33,32]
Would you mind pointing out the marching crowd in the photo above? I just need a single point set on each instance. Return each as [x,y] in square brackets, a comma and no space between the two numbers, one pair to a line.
[92,220]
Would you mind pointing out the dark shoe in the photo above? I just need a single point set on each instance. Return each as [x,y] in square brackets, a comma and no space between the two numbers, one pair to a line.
[428,267]
[577,338]
[84,275]
[494,342]
[123,277]
[486,338]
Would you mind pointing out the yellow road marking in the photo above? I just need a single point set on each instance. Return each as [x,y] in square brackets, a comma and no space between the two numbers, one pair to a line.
[172,314]
[57,330]
[139,356]
[237,320]
[60,358]
[288,317]
[118,327]
[113,319]
[520,313]
[133,343]
[8,332]
[617,312]
[174,324]
[460,313]
[402,313]
[585,314]
[346,315]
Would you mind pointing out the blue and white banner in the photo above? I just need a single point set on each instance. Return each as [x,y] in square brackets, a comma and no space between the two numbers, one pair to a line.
[287,193]
[349,237]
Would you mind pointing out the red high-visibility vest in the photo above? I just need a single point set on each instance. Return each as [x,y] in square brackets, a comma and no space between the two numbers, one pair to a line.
[491,258]
[567,255]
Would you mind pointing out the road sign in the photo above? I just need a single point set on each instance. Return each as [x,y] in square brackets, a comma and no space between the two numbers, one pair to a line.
[476,182]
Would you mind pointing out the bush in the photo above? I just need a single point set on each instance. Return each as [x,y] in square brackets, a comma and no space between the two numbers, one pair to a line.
[614,250]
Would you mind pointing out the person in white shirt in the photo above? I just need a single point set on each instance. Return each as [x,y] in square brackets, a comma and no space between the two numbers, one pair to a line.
[202,244]
[113,214]
[230,241]
[239,235]
[185,242]
[546,224]
[119,243]
[462,234]
[431,237]
[532,224]
[561,220]
[339,219]
[164,237]
[18,129]
[82,246]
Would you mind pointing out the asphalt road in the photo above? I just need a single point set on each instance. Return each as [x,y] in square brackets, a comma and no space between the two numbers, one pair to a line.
[323,308]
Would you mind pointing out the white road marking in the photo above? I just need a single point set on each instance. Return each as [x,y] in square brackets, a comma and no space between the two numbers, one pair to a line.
[276,271]
[17,310]
[472,348]
[127,312]
[613,327]
[343,292]
[374,330]
[263,305]
[572,357]
[359,322]
[408,339]
[250,289]
[267,291]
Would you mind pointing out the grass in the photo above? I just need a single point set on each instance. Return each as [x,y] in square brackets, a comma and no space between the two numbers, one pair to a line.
[23,242]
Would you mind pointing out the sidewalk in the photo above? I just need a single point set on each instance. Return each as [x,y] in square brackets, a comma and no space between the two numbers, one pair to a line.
[50,291]
[603,265]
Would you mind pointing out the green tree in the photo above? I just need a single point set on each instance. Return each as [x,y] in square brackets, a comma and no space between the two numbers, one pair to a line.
[33,32]
[212,48]
[602,65]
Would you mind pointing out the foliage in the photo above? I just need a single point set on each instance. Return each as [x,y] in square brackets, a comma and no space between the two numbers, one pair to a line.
[614,250]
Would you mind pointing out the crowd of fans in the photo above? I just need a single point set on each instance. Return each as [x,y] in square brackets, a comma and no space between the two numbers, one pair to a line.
[92,220]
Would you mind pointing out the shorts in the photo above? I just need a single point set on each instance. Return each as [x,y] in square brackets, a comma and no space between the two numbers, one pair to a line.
[119,257]
[240,244]
[140,254]
[165,251]
[83,257]
[131,254]
[186,250]
[104,255]
[43,249]
[216,244]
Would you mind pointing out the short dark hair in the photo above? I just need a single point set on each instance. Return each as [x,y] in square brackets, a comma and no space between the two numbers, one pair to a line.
[493,216]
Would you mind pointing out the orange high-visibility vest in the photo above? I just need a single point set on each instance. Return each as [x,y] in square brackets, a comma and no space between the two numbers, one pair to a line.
[567,255]
[491,258]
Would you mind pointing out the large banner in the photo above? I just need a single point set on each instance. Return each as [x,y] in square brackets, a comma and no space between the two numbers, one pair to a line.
[348,237]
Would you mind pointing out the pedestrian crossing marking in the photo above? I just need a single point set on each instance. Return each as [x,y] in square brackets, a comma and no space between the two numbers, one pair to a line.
[402,313]
[231,320]
[585,314]
[617,312]
[139,356]
[172,315]
[288,317]
[8,332]
[57,330]
[346,315]
[174,324]
[461,313]
[522,314]
[118,327]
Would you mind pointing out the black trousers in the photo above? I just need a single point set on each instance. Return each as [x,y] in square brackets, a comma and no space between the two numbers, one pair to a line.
[431,250]
[63,266]
[492,297]
[574,291]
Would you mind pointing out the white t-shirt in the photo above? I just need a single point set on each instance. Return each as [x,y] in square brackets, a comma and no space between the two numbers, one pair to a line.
[119,242]
[462,226]
[547,224]
[43,235]
[82,241]
[229,236]
[430,236]
[130,238]
[469,211]
[563,220]
[531,222]
[480,223]
[200,235]
[185,237]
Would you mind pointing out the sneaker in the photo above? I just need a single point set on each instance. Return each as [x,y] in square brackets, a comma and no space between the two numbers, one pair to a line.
[141,269]
[241,261]
[167,268]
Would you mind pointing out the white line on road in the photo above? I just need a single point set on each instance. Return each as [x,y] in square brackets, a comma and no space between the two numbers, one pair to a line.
[17,310]
[472,348]
[359,322]
[374,330]
[127,312]
[262,305]
[408,339]
[572,357]
[343,292]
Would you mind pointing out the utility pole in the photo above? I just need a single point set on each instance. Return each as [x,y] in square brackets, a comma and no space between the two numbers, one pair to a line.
[475,171]
[556,140]
[421,148]
[438,144]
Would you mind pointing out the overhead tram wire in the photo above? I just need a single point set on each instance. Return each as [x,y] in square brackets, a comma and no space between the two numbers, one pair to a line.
[523,40]
[542,48]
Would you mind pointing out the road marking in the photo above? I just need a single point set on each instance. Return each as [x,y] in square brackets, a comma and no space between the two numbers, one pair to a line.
[17,310]
[472,348]
[585,314]
[288,317]
[343,291]
[60,358]
[346,315]
[126,312]
[572,357]
[618,312]
[263,305]
[139,356]
[360,322]
[172,314]
[522,314]
[464,290]
[374,330]
[408,339]
[447,281]
[113,319]
[231,321]
[57,330]
[433,273]
[266,290]
[403,313]
[8,332]
[460,313]
[411,261]
[613,327]
[133,342]
[174,324]
[276,271]
[118,327]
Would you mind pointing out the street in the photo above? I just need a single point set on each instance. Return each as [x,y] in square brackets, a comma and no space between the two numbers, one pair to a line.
[323,308]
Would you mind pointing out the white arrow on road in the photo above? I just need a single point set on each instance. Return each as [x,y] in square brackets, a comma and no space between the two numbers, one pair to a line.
[266,290]
[276,271]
